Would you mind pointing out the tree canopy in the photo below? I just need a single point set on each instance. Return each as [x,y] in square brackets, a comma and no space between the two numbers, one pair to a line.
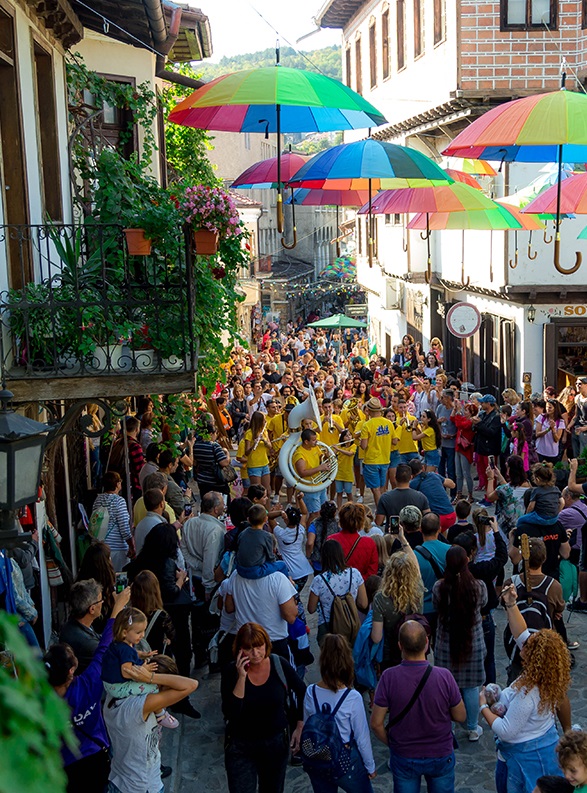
[326,60]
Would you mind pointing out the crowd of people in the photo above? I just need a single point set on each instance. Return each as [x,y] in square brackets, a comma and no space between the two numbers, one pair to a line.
[226,576]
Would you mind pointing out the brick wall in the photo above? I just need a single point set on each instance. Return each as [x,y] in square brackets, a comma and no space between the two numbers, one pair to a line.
[518,61]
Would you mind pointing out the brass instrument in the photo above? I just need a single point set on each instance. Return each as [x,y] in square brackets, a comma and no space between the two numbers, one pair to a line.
[352,406]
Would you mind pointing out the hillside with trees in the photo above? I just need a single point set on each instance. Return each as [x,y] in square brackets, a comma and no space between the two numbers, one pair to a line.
[327,60]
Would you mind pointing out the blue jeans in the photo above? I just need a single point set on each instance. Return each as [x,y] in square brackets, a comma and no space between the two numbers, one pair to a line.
[463,469]
[262,762]
[439,773]
[447,465]
[489,637]
[471,700]
[529,760]
[27,631]
[355,781]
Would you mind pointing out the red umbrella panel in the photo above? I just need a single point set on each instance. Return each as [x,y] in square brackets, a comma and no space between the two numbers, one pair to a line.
[263,174]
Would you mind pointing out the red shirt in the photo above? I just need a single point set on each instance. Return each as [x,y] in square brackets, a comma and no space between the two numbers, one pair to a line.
[364,558]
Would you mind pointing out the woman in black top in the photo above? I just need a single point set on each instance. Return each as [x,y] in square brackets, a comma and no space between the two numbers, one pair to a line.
[255,694]
[237,407]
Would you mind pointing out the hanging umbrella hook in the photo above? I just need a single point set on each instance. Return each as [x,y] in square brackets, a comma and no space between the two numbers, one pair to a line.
[513,264]
[547,240]
[531,255]
[294,240]
[266,122]
[557,264]
[424,235]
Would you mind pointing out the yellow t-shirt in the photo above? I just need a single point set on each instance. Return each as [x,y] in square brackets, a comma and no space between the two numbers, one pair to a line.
[140,511]
[345,471]
[359,428]
[240,452]
[259,457]
[406,442]
[378,432]
[429,440]
[310,456]
[331,436]
[276,427]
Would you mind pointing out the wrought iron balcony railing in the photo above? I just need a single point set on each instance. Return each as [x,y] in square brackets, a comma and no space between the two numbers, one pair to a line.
[86,307]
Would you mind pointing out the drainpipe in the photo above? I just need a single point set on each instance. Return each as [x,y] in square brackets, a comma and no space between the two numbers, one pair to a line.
[164,41]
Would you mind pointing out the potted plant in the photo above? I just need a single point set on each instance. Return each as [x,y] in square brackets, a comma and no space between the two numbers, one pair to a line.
[211,213]
[155,222]
[36,327]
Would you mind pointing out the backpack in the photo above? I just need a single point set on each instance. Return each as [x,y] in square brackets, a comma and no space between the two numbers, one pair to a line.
[344,617]
[425,554]
[366,654]
[535,613]
[321,746]
[99,522]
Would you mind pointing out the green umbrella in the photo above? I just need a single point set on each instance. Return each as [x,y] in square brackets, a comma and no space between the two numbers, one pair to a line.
[338,321]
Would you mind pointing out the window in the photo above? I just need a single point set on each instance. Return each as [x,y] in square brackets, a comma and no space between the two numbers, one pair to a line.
[385,44]
[116,125]
[372,55]
[358,67]
[393,220]
[439,21]
[528,14]
[401,34]
[50,174]
[418,28]
[348,67]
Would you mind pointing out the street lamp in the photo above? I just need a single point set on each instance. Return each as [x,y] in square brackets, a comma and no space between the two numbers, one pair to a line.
[531,314]
[22,444]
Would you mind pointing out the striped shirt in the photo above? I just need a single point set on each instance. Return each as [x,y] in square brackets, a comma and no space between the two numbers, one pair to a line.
[207,455]
[118,520]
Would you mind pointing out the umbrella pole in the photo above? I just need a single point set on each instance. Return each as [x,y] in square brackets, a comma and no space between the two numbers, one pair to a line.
[337,234]
[293,220]
[370,227]
[428,273]
[278,130]
[557,236]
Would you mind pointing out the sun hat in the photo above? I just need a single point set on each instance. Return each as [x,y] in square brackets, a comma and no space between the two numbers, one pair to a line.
[373,404]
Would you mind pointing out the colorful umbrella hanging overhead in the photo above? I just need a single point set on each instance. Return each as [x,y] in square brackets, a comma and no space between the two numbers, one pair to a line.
[477,167]
[276,99]
[342,268]
[541,128]
[263,174]
[455,197]
[572,199]
[465,178]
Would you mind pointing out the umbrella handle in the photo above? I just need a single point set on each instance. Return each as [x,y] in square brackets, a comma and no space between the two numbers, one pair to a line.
[279,212]
[424,235]
[557,265]
[547,241]
[531,255]
[294,241]
[514,262]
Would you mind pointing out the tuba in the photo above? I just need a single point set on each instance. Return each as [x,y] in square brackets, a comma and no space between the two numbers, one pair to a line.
[352,406]
[306,410]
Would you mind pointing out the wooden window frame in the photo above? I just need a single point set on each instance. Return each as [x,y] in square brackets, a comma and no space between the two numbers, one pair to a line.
[439,21]
[47,131]
[419,43]
[400,28]
[583,14]
[372,55]
[529,25]
[358,66]
[348,66]
[385,70]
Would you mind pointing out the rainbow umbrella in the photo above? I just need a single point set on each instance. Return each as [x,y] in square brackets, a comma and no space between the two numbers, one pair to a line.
[338,198]
[465,178]
[276,99]
[454,197]
[572,198]
[477,167]
[263,174]
[541,128]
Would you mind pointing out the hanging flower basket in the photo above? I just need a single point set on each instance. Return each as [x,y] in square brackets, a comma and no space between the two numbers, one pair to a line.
[137,243]
[206,242]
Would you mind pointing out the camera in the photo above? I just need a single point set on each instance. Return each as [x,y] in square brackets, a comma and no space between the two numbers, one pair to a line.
[485,520]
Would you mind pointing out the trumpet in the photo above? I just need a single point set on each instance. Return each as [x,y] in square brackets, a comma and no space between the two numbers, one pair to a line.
[281,438]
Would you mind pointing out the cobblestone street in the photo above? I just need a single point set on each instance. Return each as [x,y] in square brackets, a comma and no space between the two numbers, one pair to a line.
[195,750]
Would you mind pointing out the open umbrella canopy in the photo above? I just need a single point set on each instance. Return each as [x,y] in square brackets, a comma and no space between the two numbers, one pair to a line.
[531,129]
[263,174]
[465,178]
[247,101]
[454,197]
[338,321]
[573,197]
[369,159]
[482,219]
[340,198]
[477,167]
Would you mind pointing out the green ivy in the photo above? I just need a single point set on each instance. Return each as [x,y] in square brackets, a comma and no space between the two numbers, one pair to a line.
[35,721]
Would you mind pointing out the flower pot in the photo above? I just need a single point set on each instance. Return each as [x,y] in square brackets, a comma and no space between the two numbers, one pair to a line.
[106,358]
[206,242]
[137,243]
[172,364]
[145,360]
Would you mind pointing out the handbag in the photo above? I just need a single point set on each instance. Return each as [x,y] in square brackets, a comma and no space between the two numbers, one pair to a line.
[225,474]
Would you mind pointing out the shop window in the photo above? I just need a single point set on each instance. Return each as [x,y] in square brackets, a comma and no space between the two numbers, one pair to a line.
[358,67]
[385,44]
[418,28]
[400,29]
[439,21]
[372,55]
[565,348]
[528,14]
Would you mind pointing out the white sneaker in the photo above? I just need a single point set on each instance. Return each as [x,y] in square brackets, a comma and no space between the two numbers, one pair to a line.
[359,499]
[275,500]
[475,734]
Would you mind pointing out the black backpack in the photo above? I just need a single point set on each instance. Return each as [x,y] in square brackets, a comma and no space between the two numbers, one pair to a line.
[535,613]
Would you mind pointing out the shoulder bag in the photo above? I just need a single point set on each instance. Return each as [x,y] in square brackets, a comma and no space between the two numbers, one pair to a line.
[412,702]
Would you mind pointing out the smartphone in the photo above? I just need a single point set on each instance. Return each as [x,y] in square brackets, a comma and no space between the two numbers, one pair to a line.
[393,524]
[188,509]
[485,520]
[121,582]
[491,461]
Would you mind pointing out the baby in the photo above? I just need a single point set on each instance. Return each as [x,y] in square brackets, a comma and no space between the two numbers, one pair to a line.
[255,557]
[572,758]
[122,655]
[545,497]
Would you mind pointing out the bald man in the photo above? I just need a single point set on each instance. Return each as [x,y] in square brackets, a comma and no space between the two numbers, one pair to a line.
[422,701]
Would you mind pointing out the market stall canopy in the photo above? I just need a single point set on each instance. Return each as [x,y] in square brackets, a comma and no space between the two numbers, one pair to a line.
[338,321]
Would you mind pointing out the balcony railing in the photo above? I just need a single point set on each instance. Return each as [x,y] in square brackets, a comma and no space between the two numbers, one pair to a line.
[88,308]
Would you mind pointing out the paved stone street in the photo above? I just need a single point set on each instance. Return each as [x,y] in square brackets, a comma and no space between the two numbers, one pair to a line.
[195,749]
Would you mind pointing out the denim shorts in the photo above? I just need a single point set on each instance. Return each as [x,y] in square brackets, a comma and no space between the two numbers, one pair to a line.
[262,470]
[407,456]
[314,501]
[343,487]
[432,458]
[395,459]
[375,475]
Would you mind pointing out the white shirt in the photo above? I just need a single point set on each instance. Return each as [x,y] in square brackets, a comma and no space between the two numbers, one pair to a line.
[260,404]
[258,600]
[350,718]
[202,544]
[339,584]
[292,550]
